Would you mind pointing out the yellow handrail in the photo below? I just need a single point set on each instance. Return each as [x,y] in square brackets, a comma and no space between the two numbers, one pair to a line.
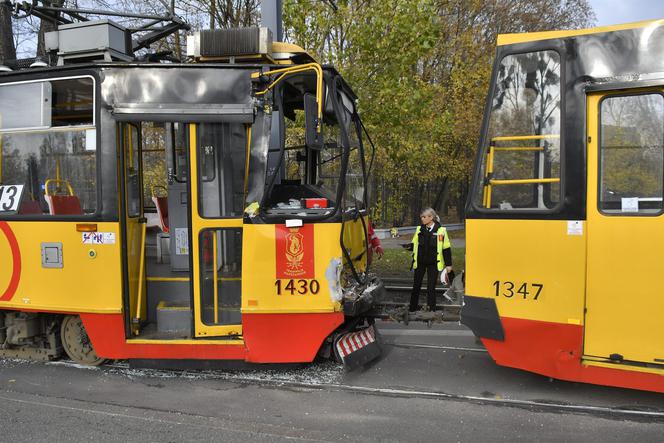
[214,275]
[246,163]
[518,148]
[525,137]
[70,190]
[489,182]
[296,70]
[141,270]
[525,181]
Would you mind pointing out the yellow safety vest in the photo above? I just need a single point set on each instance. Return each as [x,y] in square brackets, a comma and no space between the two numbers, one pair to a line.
[442,242]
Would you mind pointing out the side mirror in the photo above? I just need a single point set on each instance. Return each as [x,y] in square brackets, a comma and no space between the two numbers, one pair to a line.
[312,137]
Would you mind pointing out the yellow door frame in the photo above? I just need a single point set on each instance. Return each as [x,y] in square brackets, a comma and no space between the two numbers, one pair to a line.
[135,227]
[616,321]
[198,224]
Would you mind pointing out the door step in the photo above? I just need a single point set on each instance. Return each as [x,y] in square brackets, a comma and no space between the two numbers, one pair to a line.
[173,317]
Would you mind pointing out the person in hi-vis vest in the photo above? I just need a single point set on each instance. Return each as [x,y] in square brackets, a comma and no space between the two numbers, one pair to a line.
[432,252]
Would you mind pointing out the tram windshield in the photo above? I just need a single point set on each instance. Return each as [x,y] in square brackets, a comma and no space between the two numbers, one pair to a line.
[316,182]
[48,148]
[520,165]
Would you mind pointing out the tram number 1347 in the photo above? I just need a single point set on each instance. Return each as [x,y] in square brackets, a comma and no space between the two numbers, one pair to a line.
[510,289]
[293,287]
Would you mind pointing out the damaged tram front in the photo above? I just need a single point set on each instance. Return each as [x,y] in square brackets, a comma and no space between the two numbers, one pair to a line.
[212,210]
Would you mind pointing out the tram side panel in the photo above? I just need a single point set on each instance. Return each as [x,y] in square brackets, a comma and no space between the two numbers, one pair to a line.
[290,299]
[52,267]
[534,272]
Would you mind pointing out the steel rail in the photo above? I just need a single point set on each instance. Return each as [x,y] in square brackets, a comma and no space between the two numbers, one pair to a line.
[539,405]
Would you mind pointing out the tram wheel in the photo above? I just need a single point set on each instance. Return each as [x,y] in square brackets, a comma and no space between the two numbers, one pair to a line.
[76,342]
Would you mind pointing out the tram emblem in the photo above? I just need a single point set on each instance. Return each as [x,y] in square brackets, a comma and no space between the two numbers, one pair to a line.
[295,252]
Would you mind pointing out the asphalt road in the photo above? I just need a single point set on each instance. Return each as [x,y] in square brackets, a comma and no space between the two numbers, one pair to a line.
[321,402]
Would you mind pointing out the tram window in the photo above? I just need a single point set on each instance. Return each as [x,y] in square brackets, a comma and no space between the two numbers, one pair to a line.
[354,186]
[180,152]
[520,165]
[56,169]
[222,149]
[48,146]
[631,154]
[72,102]
[153,151]
[330,160]
[221,272]
[132,173]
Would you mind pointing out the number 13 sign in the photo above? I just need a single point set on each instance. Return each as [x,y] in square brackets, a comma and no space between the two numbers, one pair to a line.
[10,197]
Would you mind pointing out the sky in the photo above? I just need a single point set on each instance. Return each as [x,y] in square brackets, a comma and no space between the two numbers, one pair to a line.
[611,12]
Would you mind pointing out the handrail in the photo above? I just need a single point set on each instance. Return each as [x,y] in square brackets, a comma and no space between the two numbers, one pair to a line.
[518,148]
[215,283]
[524,181]
[141,272]
[525,137]
[55,180]
[246,163]
[296,70]
[489,182]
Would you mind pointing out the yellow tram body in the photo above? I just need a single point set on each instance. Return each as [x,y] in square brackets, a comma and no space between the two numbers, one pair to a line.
[257,249]
[564,229]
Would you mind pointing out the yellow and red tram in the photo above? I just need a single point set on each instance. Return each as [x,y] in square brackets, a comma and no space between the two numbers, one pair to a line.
[209,210]
[564,231]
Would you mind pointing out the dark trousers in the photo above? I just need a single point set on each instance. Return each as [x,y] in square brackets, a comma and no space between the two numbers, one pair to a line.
[432,276]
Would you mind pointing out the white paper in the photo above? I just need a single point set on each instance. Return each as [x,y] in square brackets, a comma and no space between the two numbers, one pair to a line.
[293,223]
[181,241]
[574,227]
[98,238]
[629,204]
[91,140]
[10,197]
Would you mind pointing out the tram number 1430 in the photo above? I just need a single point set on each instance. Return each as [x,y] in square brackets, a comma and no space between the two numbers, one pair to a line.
[293,287]
[510,289]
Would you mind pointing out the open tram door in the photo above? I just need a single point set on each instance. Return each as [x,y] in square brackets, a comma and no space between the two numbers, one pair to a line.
[134,224]
[625,288]
[218,165]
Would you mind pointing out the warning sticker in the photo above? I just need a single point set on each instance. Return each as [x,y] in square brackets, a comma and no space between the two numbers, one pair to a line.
[181,241]
[98,238]
[574,227]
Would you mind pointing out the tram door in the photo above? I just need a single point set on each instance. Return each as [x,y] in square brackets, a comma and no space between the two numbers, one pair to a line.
[218,164]
[625,267]
[134,223]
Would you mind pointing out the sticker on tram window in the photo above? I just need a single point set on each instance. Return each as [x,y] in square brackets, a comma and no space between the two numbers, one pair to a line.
[297,287]
[98,238]
[517,290]
[10,197]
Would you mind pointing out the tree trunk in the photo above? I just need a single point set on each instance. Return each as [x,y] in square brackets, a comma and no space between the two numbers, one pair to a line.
[7,48]
[415,204]
[438,201]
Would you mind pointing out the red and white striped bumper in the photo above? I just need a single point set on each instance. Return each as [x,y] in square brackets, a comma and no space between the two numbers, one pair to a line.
[356,349]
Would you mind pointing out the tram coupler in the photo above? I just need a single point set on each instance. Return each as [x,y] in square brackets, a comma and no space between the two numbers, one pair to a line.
[398,312]
[359,300]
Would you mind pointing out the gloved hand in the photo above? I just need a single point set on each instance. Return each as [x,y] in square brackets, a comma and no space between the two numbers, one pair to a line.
[379,251]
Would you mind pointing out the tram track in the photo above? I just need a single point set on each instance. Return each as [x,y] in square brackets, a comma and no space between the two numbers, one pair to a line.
[242,377]
[441,347]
